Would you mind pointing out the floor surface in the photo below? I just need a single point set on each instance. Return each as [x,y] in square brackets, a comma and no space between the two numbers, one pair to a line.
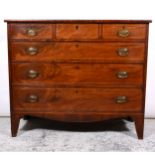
[46,135]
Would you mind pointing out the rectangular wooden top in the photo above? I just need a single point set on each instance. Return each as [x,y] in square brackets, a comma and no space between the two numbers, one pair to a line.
[80,21]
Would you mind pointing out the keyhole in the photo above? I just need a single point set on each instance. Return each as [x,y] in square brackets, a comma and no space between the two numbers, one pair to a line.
[77,67]
[77,91]
[77,45]
[76,27]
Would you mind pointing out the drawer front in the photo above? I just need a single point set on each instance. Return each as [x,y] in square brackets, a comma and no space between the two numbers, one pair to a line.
[77,31]
[115,52]
[31,31]
[124,31]
[77,99]
[77,73]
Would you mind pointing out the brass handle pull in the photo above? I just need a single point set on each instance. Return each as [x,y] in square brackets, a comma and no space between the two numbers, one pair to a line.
[123,33]
[31,32]
[32,74]
[122,75]
[32,98]
[121,99]
[123,52]
[32,51]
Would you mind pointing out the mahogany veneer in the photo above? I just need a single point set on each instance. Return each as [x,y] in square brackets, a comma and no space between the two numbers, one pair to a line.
[78,70]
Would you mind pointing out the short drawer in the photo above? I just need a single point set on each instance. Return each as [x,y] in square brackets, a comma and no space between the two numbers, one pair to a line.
[31,31]
[77,31]
[77,73]
[124,31]
[114,52]
[77,99]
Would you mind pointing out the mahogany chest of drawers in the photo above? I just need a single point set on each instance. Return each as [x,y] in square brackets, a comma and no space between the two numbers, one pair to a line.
[78,71]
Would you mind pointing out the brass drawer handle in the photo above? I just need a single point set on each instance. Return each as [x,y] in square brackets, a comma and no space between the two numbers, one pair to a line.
[123,52]
[33,74]
[32,51]
[33,98]
[123,33]
[31,32]
[122,75]
[121,99]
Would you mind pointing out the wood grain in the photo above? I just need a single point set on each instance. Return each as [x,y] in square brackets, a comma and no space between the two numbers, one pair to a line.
[76,73]
[77,99]
[136,31]
[77,31]
[19,31]
[60,51]
[140,21]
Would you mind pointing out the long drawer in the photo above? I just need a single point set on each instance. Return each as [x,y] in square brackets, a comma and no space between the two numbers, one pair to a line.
[43,51]
[77,99]
[77,73]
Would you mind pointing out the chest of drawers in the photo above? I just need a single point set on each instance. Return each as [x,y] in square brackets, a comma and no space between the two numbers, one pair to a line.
[78,71]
